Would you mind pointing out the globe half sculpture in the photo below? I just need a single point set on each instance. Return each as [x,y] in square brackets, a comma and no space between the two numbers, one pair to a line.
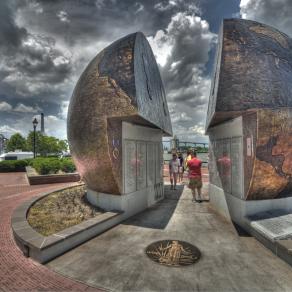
[252,80]
[122,83]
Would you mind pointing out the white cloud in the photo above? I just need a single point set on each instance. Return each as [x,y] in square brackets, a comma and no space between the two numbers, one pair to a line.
[5,107]
[64,110]
[161,47]
[39,67]
[198,129]
[99,4]
[63,16]
[35,6]
[54,126]
[182,53]
[20,107]
[140,7]
[165,6]
[277,13]
[26,109]
[7,131]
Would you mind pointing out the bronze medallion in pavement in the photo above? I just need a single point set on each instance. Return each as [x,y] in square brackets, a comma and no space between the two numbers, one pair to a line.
[174,253]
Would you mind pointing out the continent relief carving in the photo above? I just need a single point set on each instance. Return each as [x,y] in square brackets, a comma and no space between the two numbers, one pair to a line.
[272,171]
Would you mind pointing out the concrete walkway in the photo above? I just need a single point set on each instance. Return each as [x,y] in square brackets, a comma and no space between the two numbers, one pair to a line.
[116,259]
[18,273]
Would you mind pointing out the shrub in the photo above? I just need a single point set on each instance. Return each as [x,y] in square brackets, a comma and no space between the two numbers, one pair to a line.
[67,165]
[41,165]
[13,165]
[46,165]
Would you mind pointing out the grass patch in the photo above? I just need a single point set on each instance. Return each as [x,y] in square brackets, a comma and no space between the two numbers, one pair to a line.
[60,210]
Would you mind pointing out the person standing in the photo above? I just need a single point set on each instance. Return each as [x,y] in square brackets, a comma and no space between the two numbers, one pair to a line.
[181,167]
[195,177]
[173,170]
[188,158]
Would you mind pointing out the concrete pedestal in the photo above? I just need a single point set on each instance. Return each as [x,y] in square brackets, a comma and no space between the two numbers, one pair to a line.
[142,172]
[236,209]
[129,204]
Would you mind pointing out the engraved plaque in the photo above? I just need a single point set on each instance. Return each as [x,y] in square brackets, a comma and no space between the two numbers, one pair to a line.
[173,253]
[236,158]
[224,163]
[212,164]
[226,167]
[158,190]
[141,165]
[158,162]
[150,164]
[218,153]
[130,173]
[273,224]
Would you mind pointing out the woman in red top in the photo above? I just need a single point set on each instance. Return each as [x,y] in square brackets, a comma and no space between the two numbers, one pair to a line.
[195,177]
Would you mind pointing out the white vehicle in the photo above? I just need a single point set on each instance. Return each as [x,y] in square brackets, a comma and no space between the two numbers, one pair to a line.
[65,154]
[16,155]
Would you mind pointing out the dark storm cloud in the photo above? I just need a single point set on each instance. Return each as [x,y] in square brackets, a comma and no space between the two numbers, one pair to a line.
[55,40]
[30,63]
[41,59]
[273,12]
[11,35]
[80,29]
[95,20]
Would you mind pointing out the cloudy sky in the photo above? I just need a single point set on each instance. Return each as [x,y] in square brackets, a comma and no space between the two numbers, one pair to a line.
[46,44]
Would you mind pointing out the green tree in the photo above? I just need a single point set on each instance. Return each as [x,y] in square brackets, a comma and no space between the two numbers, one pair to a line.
[63,145]
[49,145]
[38,138]
[16,142]
[46,145]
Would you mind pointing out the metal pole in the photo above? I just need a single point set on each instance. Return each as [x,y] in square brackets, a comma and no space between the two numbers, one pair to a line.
[34,154]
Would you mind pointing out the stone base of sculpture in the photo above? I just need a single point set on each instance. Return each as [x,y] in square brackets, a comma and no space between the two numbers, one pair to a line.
[238,210]
[130,204]
[142,172]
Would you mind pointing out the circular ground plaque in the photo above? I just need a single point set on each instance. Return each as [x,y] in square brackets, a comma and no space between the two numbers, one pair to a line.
[173,253]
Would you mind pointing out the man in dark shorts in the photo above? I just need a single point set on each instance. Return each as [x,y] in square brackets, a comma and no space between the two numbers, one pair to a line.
[195,177]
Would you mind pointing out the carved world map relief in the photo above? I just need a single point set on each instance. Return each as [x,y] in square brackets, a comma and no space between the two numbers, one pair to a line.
[274,35]
[272,173]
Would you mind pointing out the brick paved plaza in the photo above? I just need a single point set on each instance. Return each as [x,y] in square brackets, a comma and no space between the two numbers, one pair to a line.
[230,261]
[18,273]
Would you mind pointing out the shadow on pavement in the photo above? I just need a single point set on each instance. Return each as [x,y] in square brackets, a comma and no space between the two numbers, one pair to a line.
[158,216]
[240,231]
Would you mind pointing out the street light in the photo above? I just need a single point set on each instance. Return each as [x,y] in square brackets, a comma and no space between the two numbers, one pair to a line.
[34,123]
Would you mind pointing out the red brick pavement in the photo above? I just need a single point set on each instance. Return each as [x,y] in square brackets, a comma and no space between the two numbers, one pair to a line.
[18,273]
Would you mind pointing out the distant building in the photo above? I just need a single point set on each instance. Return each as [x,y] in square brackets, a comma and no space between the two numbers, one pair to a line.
[175,143]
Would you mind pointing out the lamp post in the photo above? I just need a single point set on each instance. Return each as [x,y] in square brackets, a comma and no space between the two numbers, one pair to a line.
[35,123]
